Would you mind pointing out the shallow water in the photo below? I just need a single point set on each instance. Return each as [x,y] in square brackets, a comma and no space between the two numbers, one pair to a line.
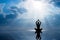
[28,35]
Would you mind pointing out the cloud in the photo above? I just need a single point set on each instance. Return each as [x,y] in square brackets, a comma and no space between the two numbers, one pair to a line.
[53,22]
[36,9]
[1,7]
[9,14]
[2,20]
[22,10]
[56,3]
[9,1]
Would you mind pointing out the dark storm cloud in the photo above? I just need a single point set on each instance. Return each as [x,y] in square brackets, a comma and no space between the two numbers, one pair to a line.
[9,1]
[11,14]
[4,21]
[14,9]
[56,3]
[22,10]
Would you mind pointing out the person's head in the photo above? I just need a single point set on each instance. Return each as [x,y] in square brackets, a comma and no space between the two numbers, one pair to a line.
[38,19]
[38,23]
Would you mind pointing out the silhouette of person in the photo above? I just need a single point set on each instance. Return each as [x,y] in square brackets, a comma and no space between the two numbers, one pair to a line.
[38,30]
[38,23]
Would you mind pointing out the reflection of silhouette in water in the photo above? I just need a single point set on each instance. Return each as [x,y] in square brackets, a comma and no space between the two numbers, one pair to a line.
[38,30]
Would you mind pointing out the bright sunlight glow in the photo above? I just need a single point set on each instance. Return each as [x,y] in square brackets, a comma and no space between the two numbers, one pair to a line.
[36,9]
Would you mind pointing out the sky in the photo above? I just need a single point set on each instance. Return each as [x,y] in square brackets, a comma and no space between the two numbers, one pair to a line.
[18,17]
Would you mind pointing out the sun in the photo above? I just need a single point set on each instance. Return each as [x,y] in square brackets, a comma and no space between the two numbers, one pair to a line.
[38,5]
[40,9]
